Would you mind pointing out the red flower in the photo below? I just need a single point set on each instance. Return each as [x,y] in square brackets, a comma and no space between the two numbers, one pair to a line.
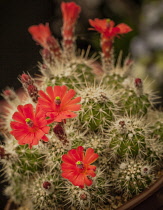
[40,33]
[70,12]
[107,29]
[29,127]
[76,166]
[58,103]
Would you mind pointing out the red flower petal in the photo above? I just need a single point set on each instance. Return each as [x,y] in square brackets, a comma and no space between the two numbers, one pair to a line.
[45,129]
[70,12]
[123,28]
[67,158]
[68,167]
[40,33]
[87,181]
[74,107]
[80,152]
[28,111]
[45,138]
[106,27]
[50,93]
[44,96]
[90,156]
[78,180]
[68,96]
[75,100]
[17,125]
[74,155]
[17,116]
[91,173]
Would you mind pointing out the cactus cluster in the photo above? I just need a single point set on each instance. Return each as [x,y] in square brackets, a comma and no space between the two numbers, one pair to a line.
[51,138]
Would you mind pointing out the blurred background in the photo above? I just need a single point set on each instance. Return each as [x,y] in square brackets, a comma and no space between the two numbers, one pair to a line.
[19,53]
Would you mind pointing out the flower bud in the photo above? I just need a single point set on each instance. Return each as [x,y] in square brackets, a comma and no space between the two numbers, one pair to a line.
[60,133]
[138,83]
[26,79]
[33,92]
[83,196]
[122,123]
[2,152]
[47,185]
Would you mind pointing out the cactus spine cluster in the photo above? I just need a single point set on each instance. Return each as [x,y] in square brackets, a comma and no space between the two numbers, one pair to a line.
[115,121]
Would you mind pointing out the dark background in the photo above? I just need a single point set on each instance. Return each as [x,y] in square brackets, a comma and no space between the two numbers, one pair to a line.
[19,53]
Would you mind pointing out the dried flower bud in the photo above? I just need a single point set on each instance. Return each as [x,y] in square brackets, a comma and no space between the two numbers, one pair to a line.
[47,185]
[46,55]
[60,133]
[54,47]
[33,92]
[138,83]
[26,79]
[2,152]
[83,196]
[9,94]
[122,123]
[139,86]
[145,170]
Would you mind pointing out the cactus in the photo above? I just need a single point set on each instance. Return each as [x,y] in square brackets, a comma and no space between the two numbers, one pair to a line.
[132,176]
[83,132]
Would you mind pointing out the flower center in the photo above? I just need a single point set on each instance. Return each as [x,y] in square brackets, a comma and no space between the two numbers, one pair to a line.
[57,100]
[80,164]
[108,23]
[29,122]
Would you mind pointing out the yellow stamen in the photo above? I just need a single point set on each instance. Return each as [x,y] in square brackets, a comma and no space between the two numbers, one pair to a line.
[57,98]
[28,120]
[79,163]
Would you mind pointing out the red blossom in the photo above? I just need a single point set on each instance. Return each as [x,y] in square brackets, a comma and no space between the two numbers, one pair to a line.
[70,12]
[76,166]
[40,33]
[58,103]
[107,29]
[28,126]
